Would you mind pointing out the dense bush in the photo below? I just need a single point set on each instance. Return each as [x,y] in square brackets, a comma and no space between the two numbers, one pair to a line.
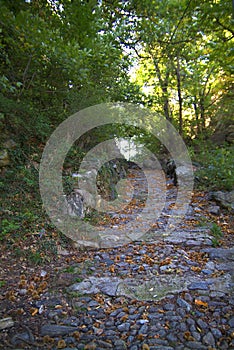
[217,168]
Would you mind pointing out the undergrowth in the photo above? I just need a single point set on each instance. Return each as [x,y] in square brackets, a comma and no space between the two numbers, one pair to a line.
[216,167]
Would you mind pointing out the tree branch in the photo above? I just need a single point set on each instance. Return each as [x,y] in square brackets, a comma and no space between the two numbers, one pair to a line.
[180,20]
[225,27]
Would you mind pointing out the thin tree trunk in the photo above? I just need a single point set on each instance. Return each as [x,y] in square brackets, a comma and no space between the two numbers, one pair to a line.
[164,86]
[202,111]
[196,115]
[178,78]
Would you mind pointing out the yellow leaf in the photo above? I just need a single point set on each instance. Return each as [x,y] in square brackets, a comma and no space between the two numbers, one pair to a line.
[112,268]
[61,344]
[201,303]
[196,269]
[33,311]
[145,347]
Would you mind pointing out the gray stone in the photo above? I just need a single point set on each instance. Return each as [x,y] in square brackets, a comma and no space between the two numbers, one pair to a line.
[190,321]
[188,297]
[120,344]
[207,272]
[161,348]
[183,327]
[115,313]
[198,285]
[226,199]
[221,253]
[195,345]
[22,337]
[104,344]
[196,336]
[143,329]
[93,303]
[210,265]
[201,324]
[124,327]
[181,302]
[216,333]
[56,330]
[208,339]
[109,288]
[231,322]
[142,321]
[214,209]
[169,307]
[6,322]
[110,333]
[134,347]
[172,338]
[227,266]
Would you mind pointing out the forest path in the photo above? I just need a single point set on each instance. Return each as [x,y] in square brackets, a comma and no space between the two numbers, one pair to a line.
[162,291]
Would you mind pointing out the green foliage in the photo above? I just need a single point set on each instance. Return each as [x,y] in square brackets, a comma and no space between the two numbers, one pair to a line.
[2,284]
[69,269]
[217,233]
[58,57]
[9,226]
[217,168]
[78,279]
[214,229]
[35,257]
[184,65]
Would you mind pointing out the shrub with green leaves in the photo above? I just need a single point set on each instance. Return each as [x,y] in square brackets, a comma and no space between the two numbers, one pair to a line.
[217,168]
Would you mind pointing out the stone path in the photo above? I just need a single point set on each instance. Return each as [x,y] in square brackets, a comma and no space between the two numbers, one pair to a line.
[145,296]
[163,291]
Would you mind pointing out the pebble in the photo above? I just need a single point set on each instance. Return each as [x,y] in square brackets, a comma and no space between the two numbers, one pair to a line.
[201,324]
[124,327]
[208,339]
[181,302]
[231,322]
[198,285]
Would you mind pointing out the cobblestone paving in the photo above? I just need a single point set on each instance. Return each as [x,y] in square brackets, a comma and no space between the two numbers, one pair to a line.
[163,291]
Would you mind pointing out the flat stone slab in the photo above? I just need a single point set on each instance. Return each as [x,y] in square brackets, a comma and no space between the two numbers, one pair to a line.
[56,330]
[220,253]
[189,238]
[155,288]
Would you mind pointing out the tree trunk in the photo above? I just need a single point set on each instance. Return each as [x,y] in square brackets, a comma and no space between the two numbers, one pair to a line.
[196,115]
[164,86]
[202,111]
[178,78]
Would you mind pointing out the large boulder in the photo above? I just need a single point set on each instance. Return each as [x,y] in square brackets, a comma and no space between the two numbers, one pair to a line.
[225,199]
[224,132]
[184,172]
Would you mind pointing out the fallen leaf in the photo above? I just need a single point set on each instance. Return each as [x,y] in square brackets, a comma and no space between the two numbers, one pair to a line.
[112,268]
[145,347]
[166,261]
[196,269]
[201,303]
[187,336]
[33,311]
[61,344]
